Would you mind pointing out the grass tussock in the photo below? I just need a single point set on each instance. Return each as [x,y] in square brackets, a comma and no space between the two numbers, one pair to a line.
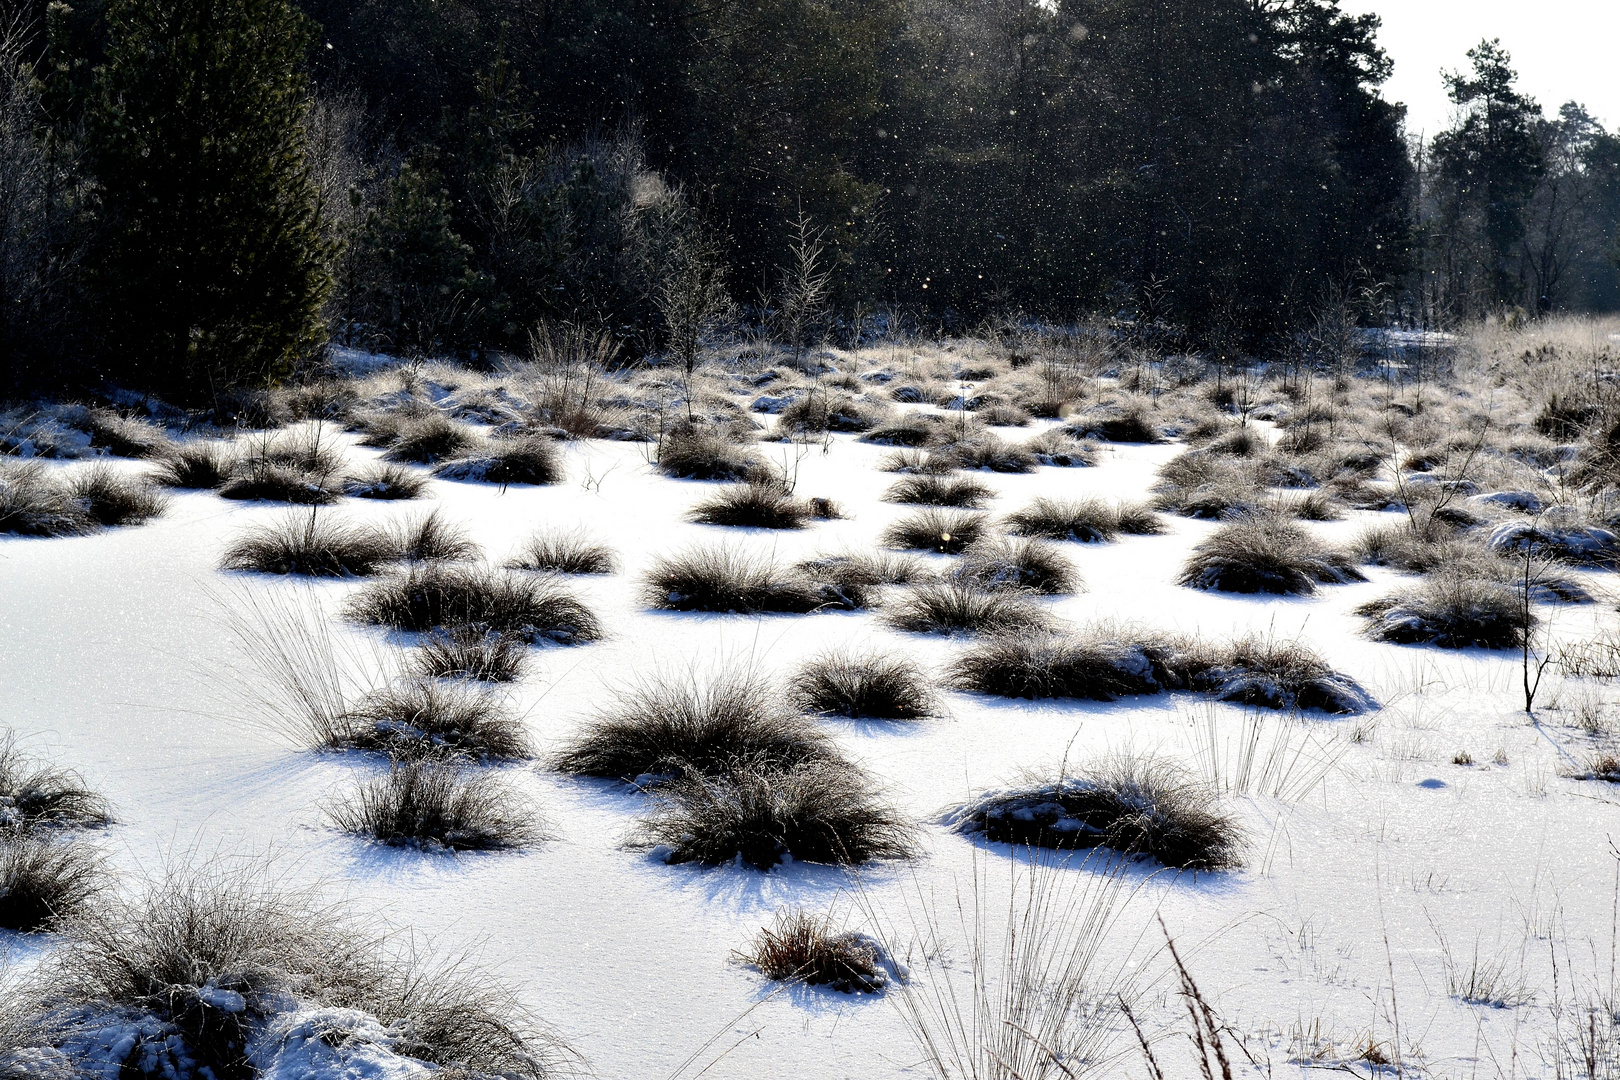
[1131,805]
[937,529]
[429,438]
[753,506]
[316,546]
[800,947]
[300,466]
[1453,611]
[819,812]
[1131,424]
[866,686]
[34,503]
[821,412]
[933,490]
[196,964]
[668,725]
[45,879]
[111,497]
[1263,553]
[558,551]
[469,653]
[125,436]
[436,595]
[690,453]
[34,795]
[430,538]
[852,580]
[915,462]
[1057,450]
[1084,521]
[385,480]
[424,718]
[436,805]
[952,607]
[196,466]
[989,452]
[721,578]
[522,459]
[1018,564]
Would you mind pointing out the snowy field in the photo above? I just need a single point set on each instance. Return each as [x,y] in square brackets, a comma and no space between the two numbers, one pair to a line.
[1377,875]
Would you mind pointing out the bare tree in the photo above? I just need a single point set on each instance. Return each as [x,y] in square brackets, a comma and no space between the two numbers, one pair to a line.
[805,284]
[692,300]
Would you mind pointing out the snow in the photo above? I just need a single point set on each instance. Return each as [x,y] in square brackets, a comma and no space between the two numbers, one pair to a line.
[119,663]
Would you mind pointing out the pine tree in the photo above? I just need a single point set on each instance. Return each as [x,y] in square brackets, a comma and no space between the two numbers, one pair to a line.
[211,267]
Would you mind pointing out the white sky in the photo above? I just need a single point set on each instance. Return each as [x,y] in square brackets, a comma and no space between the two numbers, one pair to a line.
[1562,49]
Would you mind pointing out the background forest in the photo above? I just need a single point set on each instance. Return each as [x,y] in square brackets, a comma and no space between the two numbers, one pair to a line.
[196,194]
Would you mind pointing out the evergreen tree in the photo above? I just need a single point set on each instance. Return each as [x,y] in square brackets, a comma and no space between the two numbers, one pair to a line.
[211,267]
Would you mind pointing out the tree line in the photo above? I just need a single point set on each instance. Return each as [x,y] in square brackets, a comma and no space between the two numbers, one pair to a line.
[200,193]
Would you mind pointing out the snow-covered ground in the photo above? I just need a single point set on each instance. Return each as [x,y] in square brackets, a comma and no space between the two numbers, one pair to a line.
[118,661]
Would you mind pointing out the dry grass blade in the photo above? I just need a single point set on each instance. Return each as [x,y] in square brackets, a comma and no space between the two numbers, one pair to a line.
[804,948]
[44,879]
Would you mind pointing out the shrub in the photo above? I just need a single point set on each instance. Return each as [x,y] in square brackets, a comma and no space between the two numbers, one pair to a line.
[1134,806]
[32,503]
[953,607]
[671,726]
[1021,565]
[191,967]
[699,454]
[525,459]
[757,506]
[936,529]
[1263,553]
[989,452]
[1100,663]
[469,653]
[429,438]
[559,552]
[385,481]
[804,948]
[871,686]
[1453,611]
[818,812]
[434,595]
[196,466]
[302,543]
[935,490]
[34,795]
[425,718]
[45,879]
[721,578]
[916,462]
[436,804]
[1056,449]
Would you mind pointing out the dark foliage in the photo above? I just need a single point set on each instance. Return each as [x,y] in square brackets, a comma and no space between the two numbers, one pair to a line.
[559,552]
[953,607]
[731,579]
[385,481]
[934,490]
[1264,553]
[525,459]
[1018,565]
[469,653]
[44,879]
[757,506]
[427,718]
[196,465]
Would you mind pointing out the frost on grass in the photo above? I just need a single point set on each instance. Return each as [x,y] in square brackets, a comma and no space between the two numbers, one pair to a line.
[37,502]
[426,718]
[429,438]
[302,465]
[216,974]
[436,805]
[673,725]
[874,686]
[799,947]
[1131,805]
[435,595]
[523,459]
[821,812]
[45,878]
[930,489]
[1263,553]
[308,543]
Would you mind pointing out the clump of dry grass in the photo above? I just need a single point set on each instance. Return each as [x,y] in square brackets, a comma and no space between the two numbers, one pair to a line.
[385,480]
[1085,521]
[985,451]
[851,580]
[731,579]
[871,686]
[559,551]
[438,595]
[670,725]
[754,506]
[124,436]
[45,879]
[470,653]
[820,812]
[302,543]
[299,466]
[1018,564]
[196,466]
[1100,663]
[804,948]
[915,462]
[1056,449]
[952,607]
[1265,553]
[33,795]
[427,438]
[935,490]
[819,411]
[1453,611]
[200,961]
[429,718]
[110,497]
[33,503]
[1129,424]
[692,453]
[936,529]
[1131,805]
[520,459]
[436,805]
